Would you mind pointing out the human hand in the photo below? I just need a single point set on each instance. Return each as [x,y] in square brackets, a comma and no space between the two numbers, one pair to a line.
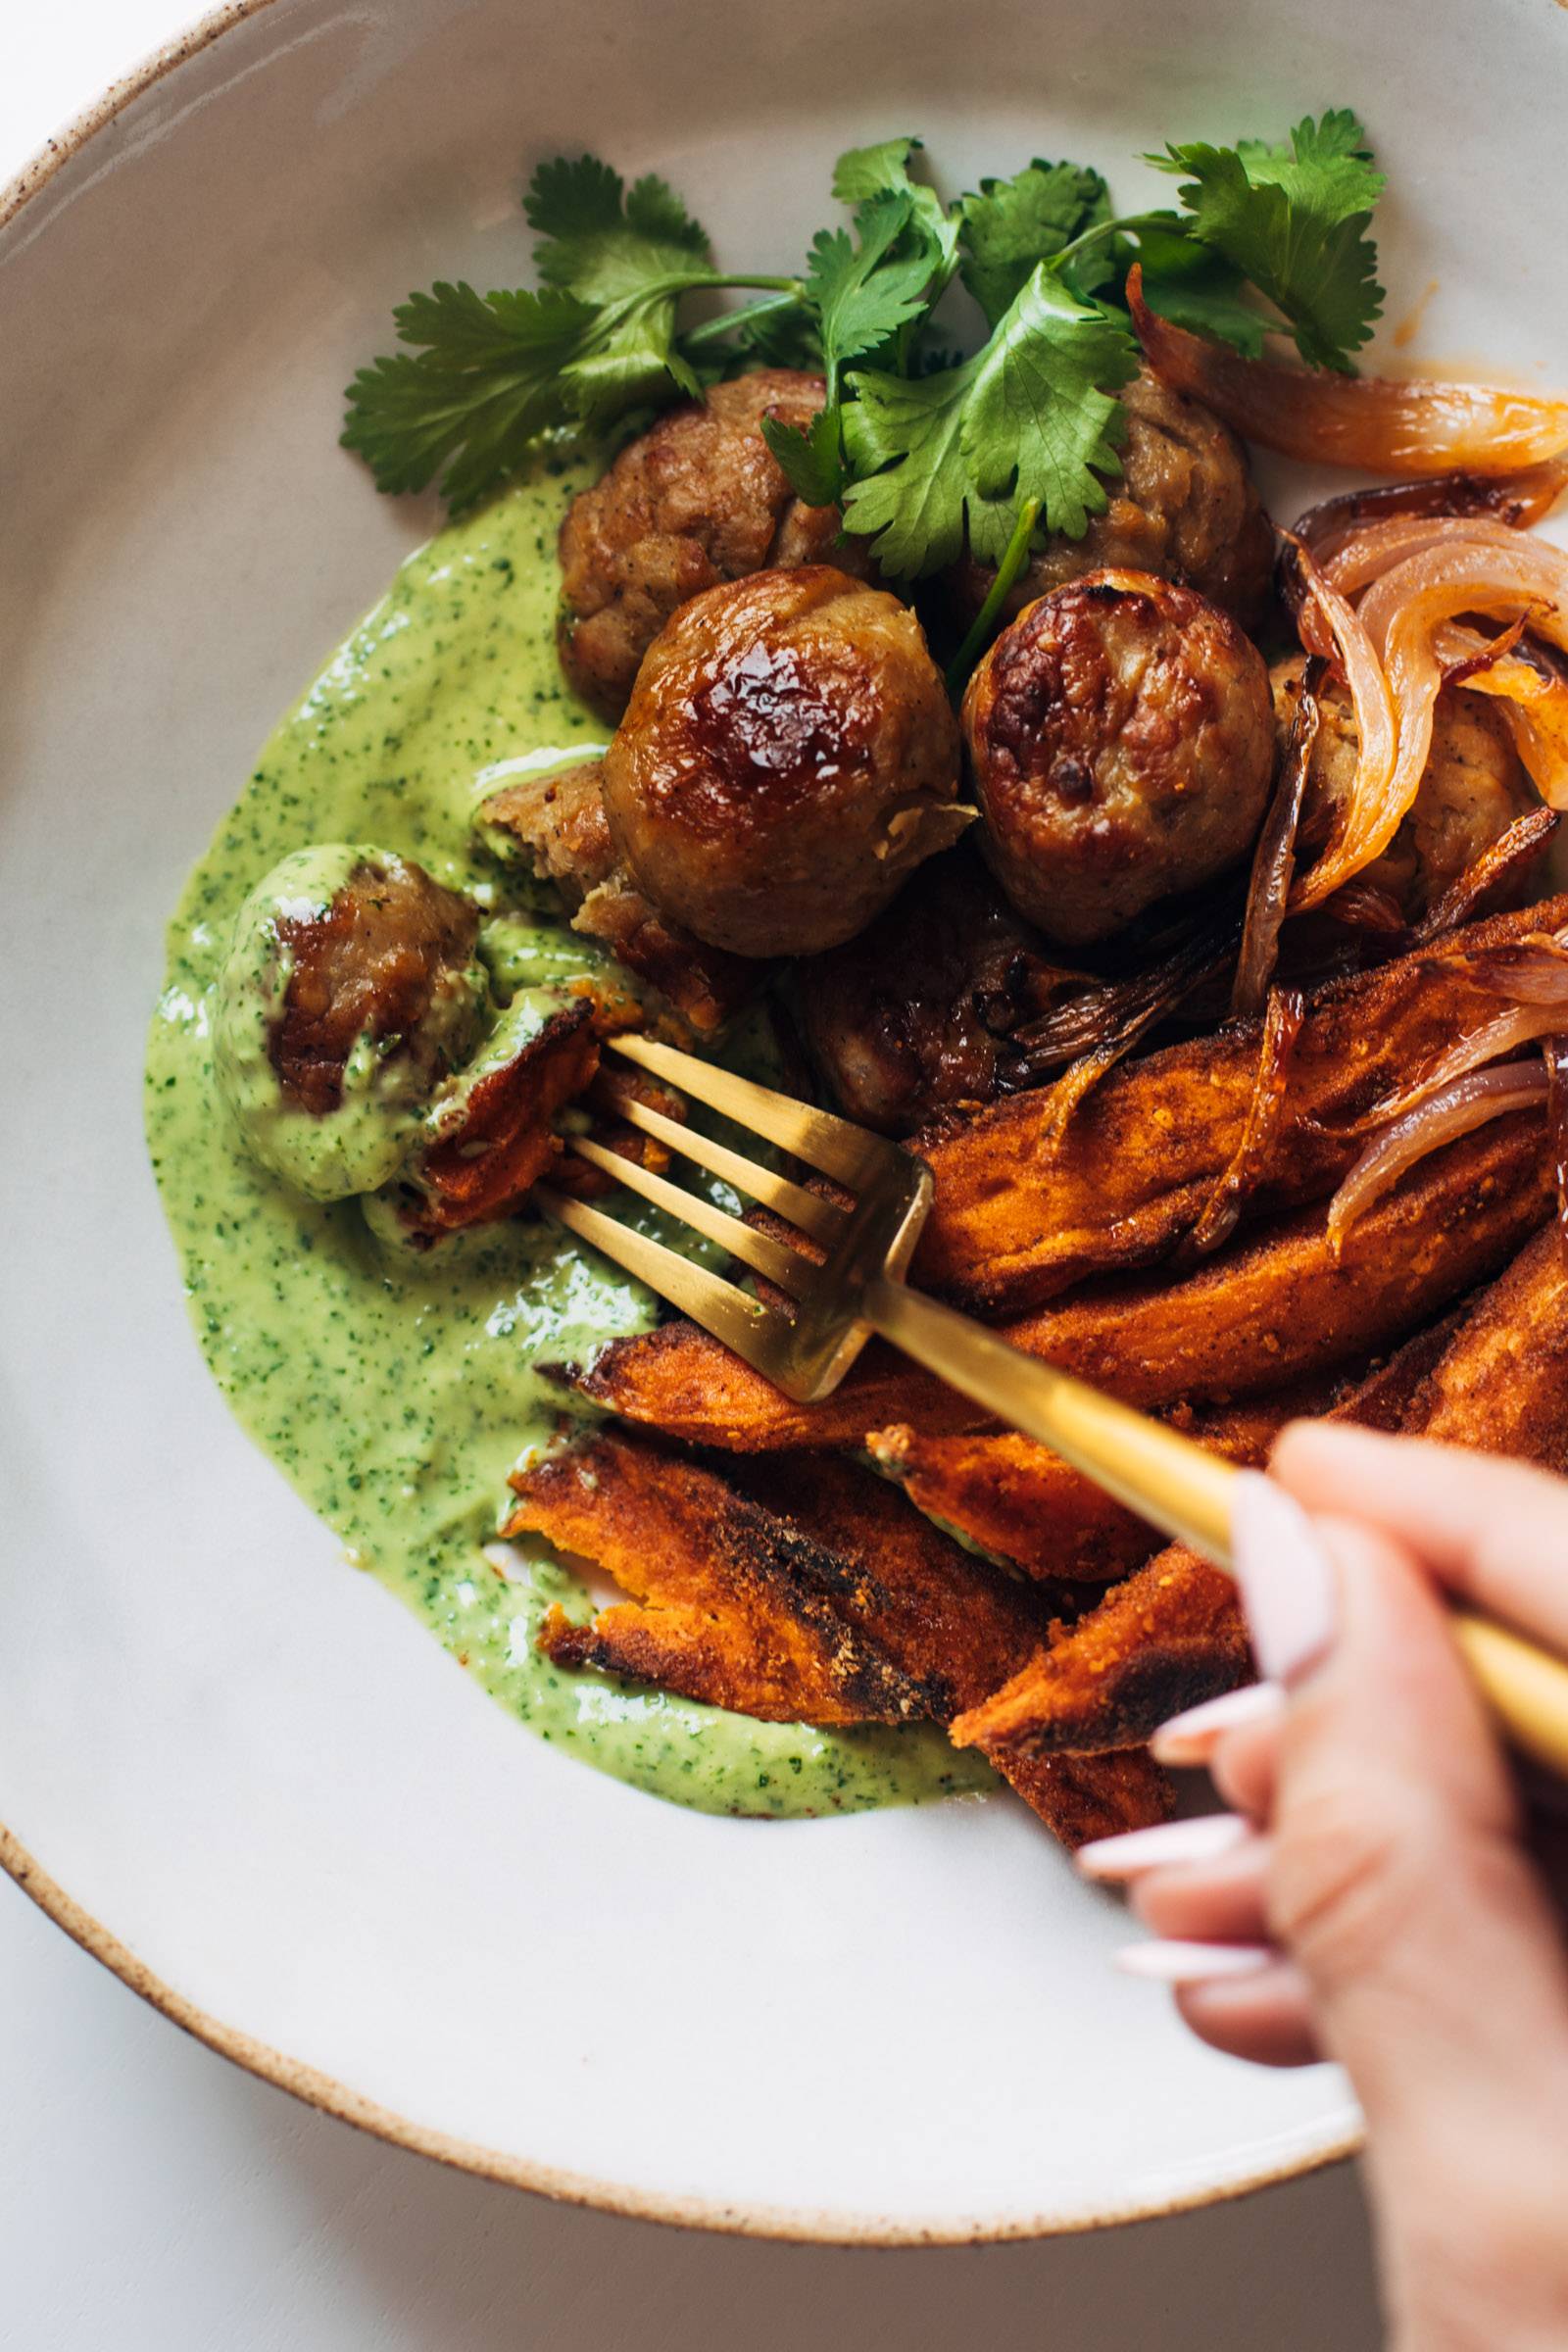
[1373,1898]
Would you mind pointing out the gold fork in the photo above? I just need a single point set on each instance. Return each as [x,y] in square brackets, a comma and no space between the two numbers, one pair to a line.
[855,1287]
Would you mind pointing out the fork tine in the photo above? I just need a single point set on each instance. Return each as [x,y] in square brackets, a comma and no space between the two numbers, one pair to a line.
[847,1153]
[822,1220]
[742,1322]
[780,1264]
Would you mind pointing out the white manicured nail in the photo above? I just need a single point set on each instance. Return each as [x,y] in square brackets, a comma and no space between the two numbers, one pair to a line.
[1285,1576]
[1192,1738]
[1168,1843]
[1194,1963]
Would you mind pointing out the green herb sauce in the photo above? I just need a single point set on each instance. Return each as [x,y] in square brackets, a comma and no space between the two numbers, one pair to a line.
[396,1390]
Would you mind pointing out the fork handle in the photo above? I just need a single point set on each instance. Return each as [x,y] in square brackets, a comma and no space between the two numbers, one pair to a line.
[1180,1485]
[1183,1489]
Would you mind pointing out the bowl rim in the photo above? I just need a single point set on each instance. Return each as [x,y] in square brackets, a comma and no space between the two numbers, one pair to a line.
[310,2083]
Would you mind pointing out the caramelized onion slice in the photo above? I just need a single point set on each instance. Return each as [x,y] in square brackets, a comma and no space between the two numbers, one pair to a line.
[1400,615]
[1478,1048]
[1515,499]
[1533,694]
[1329,623]
[1374,422]
[1268,888]
[1531,569]
[1266,1113]
[1501,867]
[1467,1104]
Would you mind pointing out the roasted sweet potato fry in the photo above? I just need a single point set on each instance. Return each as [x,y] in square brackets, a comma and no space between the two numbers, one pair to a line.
[816,1594]
[1170,1636]
[1494,1378]
[1274,1308]
[733,1606]
[613,1094]
[1091,1796]
[1022,1504]
[946,1618]
[485,1167]
[1502,1385]
[1021,1214]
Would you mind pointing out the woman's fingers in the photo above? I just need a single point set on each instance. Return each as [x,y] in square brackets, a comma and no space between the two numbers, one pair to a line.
[1266,2017]
[1220,1902]
[1492,1530]
[1395,1878]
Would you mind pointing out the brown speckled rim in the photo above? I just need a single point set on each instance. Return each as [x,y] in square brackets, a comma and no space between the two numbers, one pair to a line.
[322,2091]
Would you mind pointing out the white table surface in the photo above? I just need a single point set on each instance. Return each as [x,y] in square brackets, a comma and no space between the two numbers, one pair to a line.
[155,2199]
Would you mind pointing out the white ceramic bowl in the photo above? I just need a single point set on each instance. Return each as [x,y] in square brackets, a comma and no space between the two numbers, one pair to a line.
[231,1767]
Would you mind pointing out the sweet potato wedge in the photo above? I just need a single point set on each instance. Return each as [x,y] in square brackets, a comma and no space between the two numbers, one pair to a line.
[731,1605]
[1502,1385]
[1274,1308]
[946,1618]
[1022,1504]
[1021,1214]
[1494,1378]
[486,1167]
[1168,1637]
[820,1597]
[1081,1797]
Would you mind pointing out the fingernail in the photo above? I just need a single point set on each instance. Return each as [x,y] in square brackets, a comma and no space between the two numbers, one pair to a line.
[1167,1843]
[1285,1581]
[1192,1736]
[1194,1963]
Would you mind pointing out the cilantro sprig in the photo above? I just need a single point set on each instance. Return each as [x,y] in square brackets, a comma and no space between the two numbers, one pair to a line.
[487,375]
[931,438]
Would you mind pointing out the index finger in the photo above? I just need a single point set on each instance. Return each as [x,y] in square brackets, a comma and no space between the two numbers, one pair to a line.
[1494,1531]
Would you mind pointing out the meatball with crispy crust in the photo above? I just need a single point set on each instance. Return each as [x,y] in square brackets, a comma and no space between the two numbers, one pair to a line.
[789,756]
[698,499]
[1474,788]
[1121,741]
[1184,508]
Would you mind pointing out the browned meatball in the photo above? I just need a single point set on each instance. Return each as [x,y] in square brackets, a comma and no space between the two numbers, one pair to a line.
[1121,740]
[350,989]
[698,499]
[373,964]
[1183,506]
[1473,789]
[789,756]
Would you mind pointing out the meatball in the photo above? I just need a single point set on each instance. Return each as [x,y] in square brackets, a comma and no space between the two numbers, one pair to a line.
[1474,788]
[698,499]
[1121,740]
[789,756]
[1184,507]
[350,990]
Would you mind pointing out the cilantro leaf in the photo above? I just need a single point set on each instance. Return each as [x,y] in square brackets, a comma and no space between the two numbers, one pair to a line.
[485,379]
[602,244]
[864,288]
[1293,220]
[862,174]
[811,455]
[1009,224]
[864,291]
[1031,415]
[489,372]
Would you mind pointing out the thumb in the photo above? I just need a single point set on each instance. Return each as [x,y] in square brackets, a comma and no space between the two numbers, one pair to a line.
[1396,1877]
